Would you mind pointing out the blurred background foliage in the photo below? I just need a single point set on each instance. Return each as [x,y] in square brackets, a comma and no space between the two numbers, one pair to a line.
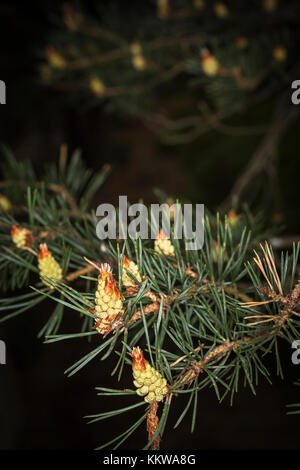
[141,151]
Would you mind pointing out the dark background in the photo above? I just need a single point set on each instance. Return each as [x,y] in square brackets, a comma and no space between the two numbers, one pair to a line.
[40,408]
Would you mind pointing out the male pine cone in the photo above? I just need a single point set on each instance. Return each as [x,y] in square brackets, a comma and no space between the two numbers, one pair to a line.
[149,382]
[132,267]
[22,237]
[163,244]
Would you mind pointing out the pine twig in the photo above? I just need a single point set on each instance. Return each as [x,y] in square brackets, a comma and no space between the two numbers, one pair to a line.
[265,153]
[80,272]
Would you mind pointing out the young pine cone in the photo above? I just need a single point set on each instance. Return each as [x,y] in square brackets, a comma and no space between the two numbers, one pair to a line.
[233,218]
[210,65]
[108,300]
[148,381]
[163,244]
[5,204]
[133,269]
[48,267]
[21,236]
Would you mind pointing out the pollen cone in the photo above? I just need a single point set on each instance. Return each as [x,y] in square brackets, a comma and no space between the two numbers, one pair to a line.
[210,65]
[132,267]
[108,300]
[21,237]
[163,244]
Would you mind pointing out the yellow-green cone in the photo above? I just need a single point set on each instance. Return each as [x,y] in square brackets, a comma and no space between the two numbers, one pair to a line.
[108,300]
[5,203]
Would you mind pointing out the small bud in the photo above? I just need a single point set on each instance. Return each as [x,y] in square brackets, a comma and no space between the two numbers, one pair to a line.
[97,86]
[5,204]
[22,237]
[163,244]
[280,53]
[132,267]
[221,10]
[163,8]
[108,300]
[241,42]
[48,266]
[149,382]
[210,65]
[217,252]
[46,74]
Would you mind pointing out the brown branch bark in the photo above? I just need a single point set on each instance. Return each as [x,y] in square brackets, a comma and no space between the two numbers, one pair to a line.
[152,425]
[266,151]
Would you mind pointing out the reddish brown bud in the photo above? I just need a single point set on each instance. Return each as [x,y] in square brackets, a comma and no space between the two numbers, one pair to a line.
[138,363]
